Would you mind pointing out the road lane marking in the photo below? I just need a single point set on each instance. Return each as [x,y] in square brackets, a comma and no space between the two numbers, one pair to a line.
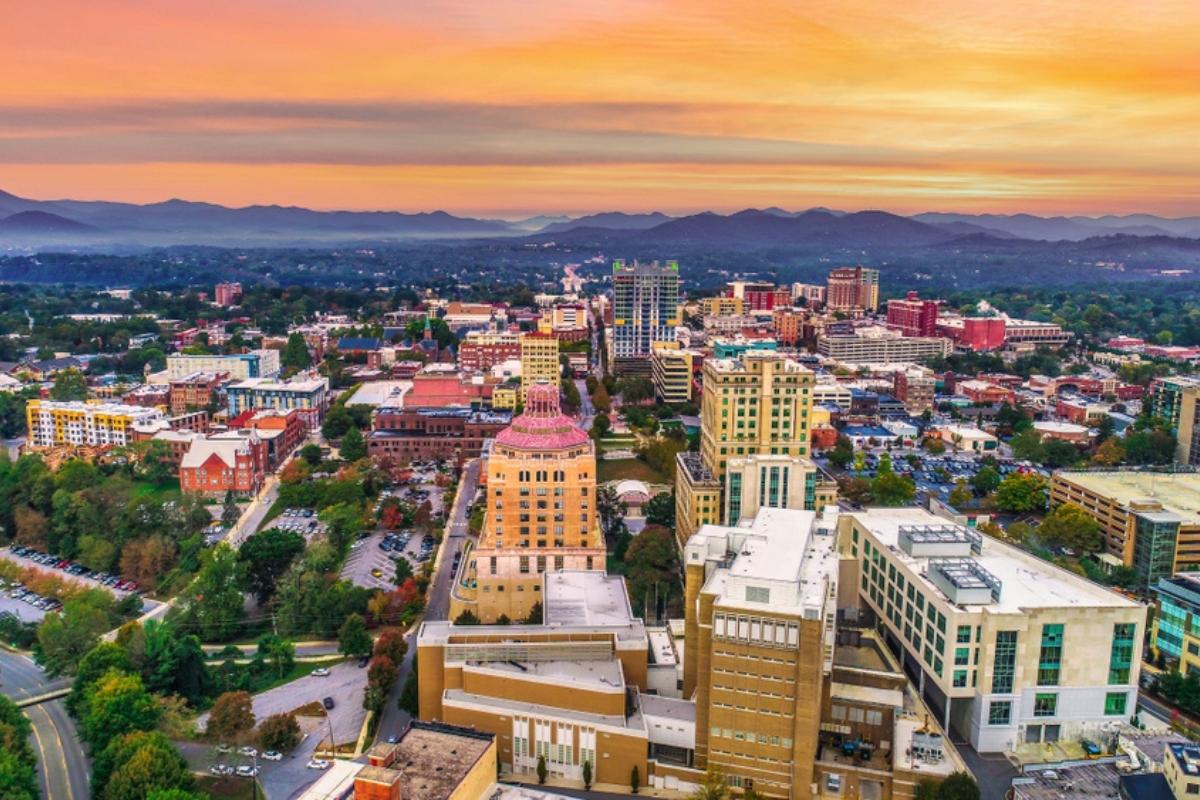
[45,767]
[62,753]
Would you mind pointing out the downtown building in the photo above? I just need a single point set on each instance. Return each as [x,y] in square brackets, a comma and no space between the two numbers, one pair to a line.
[645,311]
[913,316]
[1004,647]
[539,515]
[754,438]
[852,290]
[539,361]
[308,395]
[1177,400]
[239,367]
[878,345]
[74,423]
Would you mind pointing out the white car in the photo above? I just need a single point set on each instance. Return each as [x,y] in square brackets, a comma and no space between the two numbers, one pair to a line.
[219,769]
[272,755]
[320,672]
[224,748]
[248,751]
[247,771]
[318,763]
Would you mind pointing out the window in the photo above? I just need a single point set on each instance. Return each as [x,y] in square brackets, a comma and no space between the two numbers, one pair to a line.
[960,678]
[999,712]
[1004,662]
[1114,703]
[962,656]
[1121,657]
[1050,659]
[1045,704]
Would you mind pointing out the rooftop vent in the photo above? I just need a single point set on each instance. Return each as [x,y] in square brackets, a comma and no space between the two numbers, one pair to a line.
[964,581]
[939,541]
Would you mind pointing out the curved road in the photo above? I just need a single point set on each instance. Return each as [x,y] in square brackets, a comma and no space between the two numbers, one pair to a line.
[63,770]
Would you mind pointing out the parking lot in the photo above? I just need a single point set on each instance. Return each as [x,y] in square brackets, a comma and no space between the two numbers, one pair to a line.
[19,608]
[299,520]
[368,556]
[932,474]
[80,575]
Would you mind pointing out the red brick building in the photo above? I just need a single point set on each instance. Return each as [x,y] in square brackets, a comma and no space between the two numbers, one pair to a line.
[457,434]
[196,391]
[913,316]
[234,461]
[788,325]
[480,351]
[760,296]
[228,294]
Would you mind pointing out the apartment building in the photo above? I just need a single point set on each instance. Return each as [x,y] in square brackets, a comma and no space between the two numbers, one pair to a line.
[852,289]
[1149,520]
[228,294]
[913,316]
[760,606]
[419,434]
[1005,648]
[915,388]
[759,295]
[240,367]
[645,311]
[308,395]
[196,391]
[479,351]
[52,423]
[539,361]
[1175,399]
[673,370]
[881,346]
[813,294]
[540,514]
[1175,634]
[722,306]
[755,405]
[788,325]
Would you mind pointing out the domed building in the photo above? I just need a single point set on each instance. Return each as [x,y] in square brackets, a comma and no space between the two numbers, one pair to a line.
[540,512]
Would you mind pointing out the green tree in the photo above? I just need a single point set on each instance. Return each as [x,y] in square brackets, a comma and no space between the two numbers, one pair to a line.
[842,453]
[64,639]
[466,618]
[587,775]
[660,510]
[69,385]
[353,446]
[1021,492]
[231,717]
[295,355]
[1027,446]
[353,639]
[1068,525]
[337,422]
[17,777]
[173,662]
[278,652]
[535,614]
[652,569]
[959,786]
[542,772]
[117,704]
[960,496]
[212,607]
[635,779]
[230,513]
[93,666]
[712,787]
[264,557]
[1057,454]
[279,732]
[311,454]
[986,480]
[146,763]
[1154,446]
[890,489]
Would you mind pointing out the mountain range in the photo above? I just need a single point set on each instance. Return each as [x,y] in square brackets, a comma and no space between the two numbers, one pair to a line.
[43,224]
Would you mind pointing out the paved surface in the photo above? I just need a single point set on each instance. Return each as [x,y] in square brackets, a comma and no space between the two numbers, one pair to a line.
[587,411]
[63,769]
[366,556]
[303,649]
[19,609]
[254,515]
[438,601]
[9,555]
[993,772]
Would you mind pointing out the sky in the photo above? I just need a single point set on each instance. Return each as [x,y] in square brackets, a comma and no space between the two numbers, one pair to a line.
[507,108]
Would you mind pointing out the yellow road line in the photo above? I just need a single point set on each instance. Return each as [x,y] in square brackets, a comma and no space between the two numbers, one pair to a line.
[62,754]
[37,737]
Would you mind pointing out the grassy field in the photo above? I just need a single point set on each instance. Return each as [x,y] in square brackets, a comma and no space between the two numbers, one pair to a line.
[147,489]
[231,788]
[627,469]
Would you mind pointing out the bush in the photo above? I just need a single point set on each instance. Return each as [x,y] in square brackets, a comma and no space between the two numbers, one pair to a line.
[279,732]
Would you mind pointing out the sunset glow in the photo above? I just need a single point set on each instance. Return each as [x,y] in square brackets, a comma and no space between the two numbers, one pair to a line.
[509,108]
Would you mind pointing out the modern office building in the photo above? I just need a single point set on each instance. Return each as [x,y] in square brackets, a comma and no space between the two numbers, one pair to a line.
[1149,520]
[645,311]
[852,289]
[913,316]
[308,395]
[241,366]
[1175,399]
[539,361]
[540,512]
[1175,634]
[1003,646]
[755,405]
[881,346]
[672,370]
[82,424]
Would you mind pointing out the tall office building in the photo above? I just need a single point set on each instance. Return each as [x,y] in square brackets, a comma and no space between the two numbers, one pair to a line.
[539,361]
[760,607]
[540,512]
[645,311]
[1177,400]
[913,316]
[751,406]
[852,289]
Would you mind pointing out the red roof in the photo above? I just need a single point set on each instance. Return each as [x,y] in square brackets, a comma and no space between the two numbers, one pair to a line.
[542,426]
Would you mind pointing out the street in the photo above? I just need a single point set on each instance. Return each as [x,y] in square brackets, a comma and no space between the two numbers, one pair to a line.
[587,411]
[63,770]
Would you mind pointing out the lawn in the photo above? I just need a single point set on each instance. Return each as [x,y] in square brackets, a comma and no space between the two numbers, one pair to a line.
[628,469]
[156,490]
[232,788]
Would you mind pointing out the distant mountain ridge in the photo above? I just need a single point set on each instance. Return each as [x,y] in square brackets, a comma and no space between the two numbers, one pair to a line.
[42,224]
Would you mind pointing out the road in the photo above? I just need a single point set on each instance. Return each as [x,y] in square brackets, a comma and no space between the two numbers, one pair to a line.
[394,720]
[587,411]
[63,770]
[253,516]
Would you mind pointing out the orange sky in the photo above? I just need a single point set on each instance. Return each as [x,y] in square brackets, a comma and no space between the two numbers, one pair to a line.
[506,107]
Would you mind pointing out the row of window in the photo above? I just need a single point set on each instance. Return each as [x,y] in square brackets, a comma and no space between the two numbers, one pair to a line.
[755,629]
[750,736]
[1045,704]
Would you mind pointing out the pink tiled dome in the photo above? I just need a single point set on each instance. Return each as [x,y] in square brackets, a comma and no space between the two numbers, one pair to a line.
[542,426]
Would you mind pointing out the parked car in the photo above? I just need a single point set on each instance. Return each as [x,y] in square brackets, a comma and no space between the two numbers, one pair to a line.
[317,763]
[247,771]
[248,751]
[320,672]
[328,703]
[272,755]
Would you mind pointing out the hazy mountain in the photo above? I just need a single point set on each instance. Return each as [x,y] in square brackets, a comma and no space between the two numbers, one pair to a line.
[539,222]
[27,222]
[1074,229]
[764,229]
[615,220]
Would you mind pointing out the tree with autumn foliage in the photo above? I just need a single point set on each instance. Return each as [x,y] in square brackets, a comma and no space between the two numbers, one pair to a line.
[391,643]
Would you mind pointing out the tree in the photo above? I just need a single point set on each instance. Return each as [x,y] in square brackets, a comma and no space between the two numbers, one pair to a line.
[535,614]
[17,777]
[391,643]
[295,355]
[1068,525]
[842,453]
[212,607]
[466,618]
[660,510]
[337,422]
[601,425]
[353,639]
[712,787]
[171,662]
[542,772]
[855,490]
[1109,453]
[1154,446]
[230,513]
[117,704]
[1021,492]
[986,480]
[94,665]
[264,557]
[278,732]
[69,385]
[635,779]
[231,717]
[890,489]
[587,775]
[652,569]
[601,400]
[1027,446]
[960,495]
[64,639]
[1057,454]
[959,786]
[311,454]
[353,446]
[278,652]
[150,763]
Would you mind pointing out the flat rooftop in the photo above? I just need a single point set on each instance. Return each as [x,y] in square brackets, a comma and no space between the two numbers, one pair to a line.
[590,675]
[1026,581]
[1178,492]
[1096,781]
[374,393]
[433,759]
[585,597]
[440,632]
[634,723]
